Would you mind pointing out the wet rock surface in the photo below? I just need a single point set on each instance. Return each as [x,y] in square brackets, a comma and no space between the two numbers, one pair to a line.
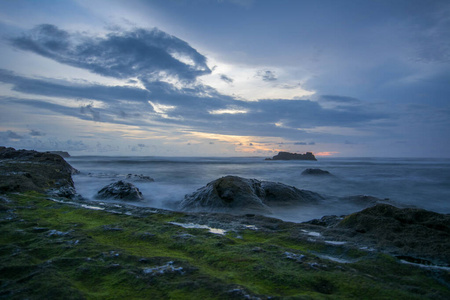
[316,172]
[139,177]
[408,231]
[120,190]
[28,170]
[234,194]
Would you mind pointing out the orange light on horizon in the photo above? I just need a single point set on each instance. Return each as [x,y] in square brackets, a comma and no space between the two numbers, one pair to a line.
[326,153]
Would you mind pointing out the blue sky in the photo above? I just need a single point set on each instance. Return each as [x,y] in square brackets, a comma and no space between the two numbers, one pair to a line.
[226,77]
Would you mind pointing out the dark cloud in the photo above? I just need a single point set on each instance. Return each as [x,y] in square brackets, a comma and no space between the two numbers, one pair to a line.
[145,54]
[226,78]
[89,109]
[191,106]
[36,133]
[12,135]
[267,75]
[136,53]
[52,88]
[300,143]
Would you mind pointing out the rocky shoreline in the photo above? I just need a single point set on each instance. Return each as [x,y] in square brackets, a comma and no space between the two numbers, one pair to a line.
[380,252]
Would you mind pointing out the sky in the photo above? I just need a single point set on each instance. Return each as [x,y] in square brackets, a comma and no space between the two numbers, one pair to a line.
[226,77]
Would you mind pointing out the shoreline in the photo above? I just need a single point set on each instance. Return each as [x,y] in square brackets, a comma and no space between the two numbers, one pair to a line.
[77,243]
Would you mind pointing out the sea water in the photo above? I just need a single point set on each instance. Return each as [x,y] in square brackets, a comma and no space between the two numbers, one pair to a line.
[408,182]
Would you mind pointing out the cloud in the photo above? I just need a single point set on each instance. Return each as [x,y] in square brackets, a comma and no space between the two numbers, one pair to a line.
[146,58]
[137,53]
[300,143]
[343,100]
[36,133]
[66,89]
[194,106]
[267,75]
[89,109]
[226,78]
[12,135]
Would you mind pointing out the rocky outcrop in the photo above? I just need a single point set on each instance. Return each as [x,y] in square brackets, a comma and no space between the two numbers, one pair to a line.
[120,190]
[234,194]
[408,232]
[293,156]
[28,170]
[140,178]
[316,172]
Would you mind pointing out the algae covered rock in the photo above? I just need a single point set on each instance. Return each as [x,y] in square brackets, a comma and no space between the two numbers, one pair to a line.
[120,190]
[407,231]
[234,194]
[28,170]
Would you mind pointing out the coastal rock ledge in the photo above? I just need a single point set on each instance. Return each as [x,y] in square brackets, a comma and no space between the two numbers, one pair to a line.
[29,170]
[233,194]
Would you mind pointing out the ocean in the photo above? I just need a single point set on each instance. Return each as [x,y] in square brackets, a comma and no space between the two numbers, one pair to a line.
[404,182]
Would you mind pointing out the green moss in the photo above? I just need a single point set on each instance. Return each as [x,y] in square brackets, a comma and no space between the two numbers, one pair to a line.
[100,255]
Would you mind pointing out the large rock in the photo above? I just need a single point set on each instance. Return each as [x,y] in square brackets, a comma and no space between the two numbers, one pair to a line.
[28,170]
[293,156]
[234,194]
[408,232]
[120,190]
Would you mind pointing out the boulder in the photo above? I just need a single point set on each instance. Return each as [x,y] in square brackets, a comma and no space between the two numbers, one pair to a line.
[409,231]
[234,194]
[316,172]
[120,190]
[28,170]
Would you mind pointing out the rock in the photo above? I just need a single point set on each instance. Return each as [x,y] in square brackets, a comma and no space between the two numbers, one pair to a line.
[28,170]
[141,178]
[234,194]
[293,156]
[65,192]
[63,154]
[120,190]
[316,172]
[409,231]
[363,200]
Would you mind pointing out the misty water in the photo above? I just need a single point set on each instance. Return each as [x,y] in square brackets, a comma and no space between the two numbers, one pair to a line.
[422,183]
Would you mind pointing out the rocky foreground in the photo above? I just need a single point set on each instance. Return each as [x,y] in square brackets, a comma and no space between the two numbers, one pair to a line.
[57,246]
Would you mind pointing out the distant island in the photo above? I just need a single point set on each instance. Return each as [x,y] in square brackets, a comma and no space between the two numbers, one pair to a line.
[293,156]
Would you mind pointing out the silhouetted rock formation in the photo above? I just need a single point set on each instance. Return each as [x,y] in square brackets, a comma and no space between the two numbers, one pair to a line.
[120,190]
[316,172]
[234,194]
[28,170]
[293,156]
